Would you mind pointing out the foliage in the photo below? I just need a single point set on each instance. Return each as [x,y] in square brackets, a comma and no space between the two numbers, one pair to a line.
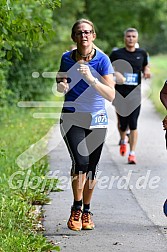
[4,92]
[39,26]
[22,84]
[24,23]
[113,17]
[46,32]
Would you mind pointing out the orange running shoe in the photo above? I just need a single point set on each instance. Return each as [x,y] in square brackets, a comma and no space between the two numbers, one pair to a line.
[123,149]
[87,223]
[75,222]
[131,159]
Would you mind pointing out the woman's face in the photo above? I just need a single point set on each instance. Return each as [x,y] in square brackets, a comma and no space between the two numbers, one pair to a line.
[84,35]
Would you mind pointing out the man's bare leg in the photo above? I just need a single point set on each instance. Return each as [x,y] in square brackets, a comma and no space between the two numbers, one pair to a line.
[133,139]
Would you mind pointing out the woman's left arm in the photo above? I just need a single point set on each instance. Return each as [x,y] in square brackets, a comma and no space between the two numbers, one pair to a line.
[105,86]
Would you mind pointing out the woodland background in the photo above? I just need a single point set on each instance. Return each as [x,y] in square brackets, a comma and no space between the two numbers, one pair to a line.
[34,34]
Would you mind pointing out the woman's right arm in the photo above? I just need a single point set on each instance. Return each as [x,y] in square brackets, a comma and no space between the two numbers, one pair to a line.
[61,79]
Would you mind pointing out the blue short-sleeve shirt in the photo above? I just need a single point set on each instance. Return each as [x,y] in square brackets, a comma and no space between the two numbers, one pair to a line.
[81,97]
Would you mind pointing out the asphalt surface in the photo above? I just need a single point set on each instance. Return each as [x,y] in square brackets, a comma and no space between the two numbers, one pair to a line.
[128,199]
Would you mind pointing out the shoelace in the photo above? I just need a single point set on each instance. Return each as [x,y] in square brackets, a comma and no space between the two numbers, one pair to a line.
[86,216]
[76,214]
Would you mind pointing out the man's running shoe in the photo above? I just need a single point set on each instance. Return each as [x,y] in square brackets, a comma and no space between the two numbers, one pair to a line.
[123,149]
[165,207]
[87,223]
[75,222]
[131,159]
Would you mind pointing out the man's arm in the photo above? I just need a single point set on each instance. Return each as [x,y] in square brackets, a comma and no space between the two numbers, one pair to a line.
[119,78]
[146,72]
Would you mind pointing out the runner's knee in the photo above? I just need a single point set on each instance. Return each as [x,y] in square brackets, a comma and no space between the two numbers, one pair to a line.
[79,168]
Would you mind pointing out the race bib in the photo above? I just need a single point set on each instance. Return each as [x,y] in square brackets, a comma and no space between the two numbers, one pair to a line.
[99,120]
[131,79]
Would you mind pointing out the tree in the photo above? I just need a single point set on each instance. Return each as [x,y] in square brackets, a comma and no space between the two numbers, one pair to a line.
[24,23]
[113,17]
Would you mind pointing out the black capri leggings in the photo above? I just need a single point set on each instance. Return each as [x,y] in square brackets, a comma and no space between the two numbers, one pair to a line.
[129,121]
[84,146]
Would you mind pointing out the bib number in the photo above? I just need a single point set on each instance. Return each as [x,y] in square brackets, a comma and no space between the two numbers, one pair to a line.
[131,79]
[99,120]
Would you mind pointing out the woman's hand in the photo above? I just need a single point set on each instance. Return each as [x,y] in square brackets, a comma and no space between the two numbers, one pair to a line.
[63,86]
[85,71]
[164,122]
[105,86]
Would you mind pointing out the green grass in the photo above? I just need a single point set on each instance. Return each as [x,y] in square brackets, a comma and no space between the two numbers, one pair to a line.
[19,189]
[159,75]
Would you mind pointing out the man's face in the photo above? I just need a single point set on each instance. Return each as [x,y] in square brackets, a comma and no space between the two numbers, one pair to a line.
[131,39]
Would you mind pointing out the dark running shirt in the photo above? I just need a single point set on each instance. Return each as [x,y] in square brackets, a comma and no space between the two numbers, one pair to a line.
[130,64]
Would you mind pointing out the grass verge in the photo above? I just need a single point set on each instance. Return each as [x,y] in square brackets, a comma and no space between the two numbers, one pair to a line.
[22,189]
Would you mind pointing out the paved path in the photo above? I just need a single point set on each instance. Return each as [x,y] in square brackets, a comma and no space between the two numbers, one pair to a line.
[127,202]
